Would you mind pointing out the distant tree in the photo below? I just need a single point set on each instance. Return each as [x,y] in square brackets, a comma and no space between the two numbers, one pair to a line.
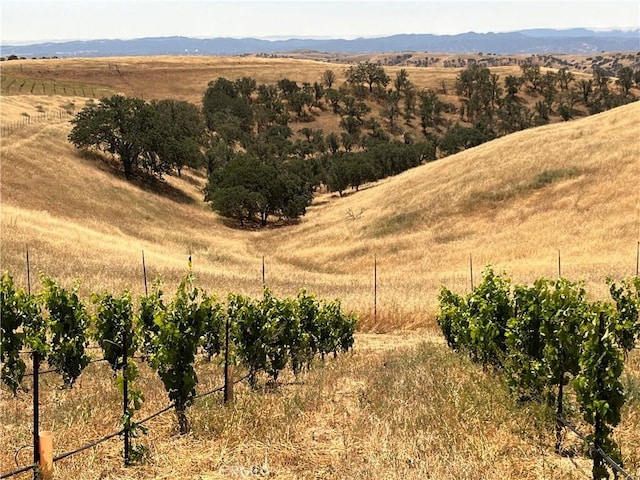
[354,108]
[246,86]
[351,124]
[247,186]
[566,105]
[586,89]
[287,87]
[338,175]
[375,75]
[625,79]
[333,143]
[602,98]
[565,77]
[375,127]
[226,111]
[430,110]
[480,90]
[317,139]
[391,108]
[495,90]
[298,101]
[601,80]
[512,84]
[513,116]
[348,141]
[459,138]
[548,88]
[542,111]
[268,96]
[269,107]
[318,93]
[235,202]
[410,98]
[367,73]
[531,73]
[401,82]
[120,126]
[328,78]
[354,75]
[218,154]
[334,97]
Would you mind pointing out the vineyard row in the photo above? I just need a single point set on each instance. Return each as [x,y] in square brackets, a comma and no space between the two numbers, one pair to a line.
[264,335]
[548,337]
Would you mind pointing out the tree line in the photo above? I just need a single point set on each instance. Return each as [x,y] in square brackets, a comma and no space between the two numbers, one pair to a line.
[258,168]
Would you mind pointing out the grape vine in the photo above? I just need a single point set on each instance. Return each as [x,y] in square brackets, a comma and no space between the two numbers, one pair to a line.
[68,323]
[548,337]
[266,335]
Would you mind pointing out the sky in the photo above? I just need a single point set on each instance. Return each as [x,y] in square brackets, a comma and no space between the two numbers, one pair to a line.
[31,21]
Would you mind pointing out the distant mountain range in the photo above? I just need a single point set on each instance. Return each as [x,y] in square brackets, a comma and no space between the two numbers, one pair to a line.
[534,41]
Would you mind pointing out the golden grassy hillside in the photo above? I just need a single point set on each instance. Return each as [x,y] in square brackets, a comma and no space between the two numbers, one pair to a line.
[513,203]
[186,78]
[395,407]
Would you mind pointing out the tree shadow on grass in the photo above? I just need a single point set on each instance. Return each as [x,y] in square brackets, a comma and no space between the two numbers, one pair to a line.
[161,188]
[140,179]
[255,225]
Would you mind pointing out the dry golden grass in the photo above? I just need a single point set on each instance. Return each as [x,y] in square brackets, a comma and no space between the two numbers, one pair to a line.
[80,219]
[404,409]
[376,413]
[182,78]
[186,78]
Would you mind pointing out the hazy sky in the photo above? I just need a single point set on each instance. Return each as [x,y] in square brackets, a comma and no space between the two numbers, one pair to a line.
[25,21]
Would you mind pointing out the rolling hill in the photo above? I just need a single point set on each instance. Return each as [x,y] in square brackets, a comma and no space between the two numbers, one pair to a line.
[514,203]
[399,406]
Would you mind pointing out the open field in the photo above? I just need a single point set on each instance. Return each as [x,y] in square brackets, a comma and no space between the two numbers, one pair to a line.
[401,405]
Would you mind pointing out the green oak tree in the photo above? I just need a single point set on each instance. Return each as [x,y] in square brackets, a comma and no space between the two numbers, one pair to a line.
[120,126]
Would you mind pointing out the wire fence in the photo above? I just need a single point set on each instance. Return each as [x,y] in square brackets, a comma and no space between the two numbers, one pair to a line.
[26,120]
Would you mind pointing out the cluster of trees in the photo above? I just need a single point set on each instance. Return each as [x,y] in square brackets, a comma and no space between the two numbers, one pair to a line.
[490,108]
[547,337]
[157,137]
[259,168]
[493,108]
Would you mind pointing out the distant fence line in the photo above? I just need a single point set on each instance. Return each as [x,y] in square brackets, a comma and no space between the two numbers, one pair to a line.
[10,127]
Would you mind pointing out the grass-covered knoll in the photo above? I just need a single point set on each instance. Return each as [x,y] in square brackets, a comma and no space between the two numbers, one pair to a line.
[80,220]
[513,202]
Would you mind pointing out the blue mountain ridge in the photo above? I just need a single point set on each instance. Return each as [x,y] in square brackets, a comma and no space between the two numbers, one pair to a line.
[533,41]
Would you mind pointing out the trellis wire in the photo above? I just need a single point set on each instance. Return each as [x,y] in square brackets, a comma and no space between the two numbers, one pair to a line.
[112,435]
[595,448]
